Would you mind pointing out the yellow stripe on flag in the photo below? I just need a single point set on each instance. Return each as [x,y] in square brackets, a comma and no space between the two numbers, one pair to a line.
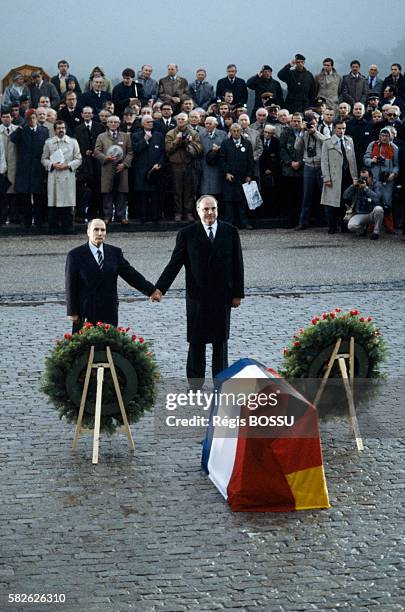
[309,488]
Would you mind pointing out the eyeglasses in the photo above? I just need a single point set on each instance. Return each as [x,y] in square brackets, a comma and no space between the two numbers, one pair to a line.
[391,114]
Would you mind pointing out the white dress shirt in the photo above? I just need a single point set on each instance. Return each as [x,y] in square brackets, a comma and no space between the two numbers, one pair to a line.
[214,227]
[94,250]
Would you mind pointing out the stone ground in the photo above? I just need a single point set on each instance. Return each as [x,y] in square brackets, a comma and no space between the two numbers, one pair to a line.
[148,531]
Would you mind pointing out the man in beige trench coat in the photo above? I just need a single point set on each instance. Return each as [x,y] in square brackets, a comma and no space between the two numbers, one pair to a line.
[114,169]
[61,157]
[338,165]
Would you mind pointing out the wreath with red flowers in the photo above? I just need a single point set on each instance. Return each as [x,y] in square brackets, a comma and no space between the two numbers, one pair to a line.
[309,351]
[136,368]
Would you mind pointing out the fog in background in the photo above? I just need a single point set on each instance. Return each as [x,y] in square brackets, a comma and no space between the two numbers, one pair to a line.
[211,33]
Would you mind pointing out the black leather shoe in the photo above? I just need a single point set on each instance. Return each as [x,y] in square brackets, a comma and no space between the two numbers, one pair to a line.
[374,236]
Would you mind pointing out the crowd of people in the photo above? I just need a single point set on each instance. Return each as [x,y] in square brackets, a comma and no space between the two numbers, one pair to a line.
[324,147]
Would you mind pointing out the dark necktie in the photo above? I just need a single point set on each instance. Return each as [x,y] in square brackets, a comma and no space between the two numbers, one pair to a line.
[370,83]
[210,234]
[100,259]
[88,128]
[8,130]
[345,161]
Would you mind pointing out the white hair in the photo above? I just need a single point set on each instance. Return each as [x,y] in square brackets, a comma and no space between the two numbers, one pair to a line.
[213,119]
[182,115]
[146,118]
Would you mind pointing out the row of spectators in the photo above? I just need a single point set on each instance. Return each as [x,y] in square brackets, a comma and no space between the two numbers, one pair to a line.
[175,137]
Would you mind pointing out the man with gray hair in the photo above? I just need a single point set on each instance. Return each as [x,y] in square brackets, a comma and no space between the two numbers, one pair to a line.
[261,120]
[211,253]
[183,145]
[15,90]
[201,91]
[113,149]
[211,140]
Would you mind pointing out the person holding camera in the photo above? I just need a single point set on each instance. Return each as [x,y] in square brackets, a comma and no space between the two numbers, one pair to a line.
[183,146]
[364,196]
[381,157]
[309,144]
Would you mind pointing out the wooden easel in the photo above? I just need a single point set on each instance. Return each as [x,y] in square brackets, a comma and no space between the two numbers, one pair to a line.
[99,396]
[348,382]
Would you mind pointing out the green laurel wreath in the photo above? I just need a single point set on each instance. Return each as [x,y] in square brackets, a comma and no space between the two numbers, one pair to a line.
[137,372]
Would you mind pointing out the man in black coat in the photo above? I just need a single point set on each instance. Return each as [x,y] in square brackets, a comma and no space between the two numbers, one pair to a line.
[261,83]
[30,173]
[129,89]
[237,165]
[88,176]
[71,114]
[148,146]
[300,84]
[91,275]
[96,97]
[234,84]
[211,253]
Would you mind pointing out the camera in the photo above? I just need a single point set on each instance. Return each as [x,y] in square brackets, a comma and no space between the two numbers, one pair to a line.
[311,151]
[361,182]
[384,177]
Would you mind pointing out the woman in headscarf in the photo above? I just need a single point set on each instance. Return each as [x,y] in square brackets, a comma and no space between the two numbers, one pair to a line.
[98,71]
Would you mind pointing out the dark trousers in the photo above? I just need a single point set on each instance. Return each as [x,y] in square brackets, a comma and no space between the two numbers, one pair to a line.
[335,214]
[60,219]
[312,191]
[291,188]
[236,213]
[184,188]
[8,208]
[196,362]
[32,209]
[150,206]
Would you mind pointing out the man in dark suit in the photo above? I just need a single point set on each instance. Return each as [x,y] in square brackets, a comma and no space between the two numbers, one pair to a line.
[30,174]
[39,88]
[71,114]
[166,122]
[211,253]
[90,203]
[237,165]
[234,84]
[96,97]
[60,79]
[91,275]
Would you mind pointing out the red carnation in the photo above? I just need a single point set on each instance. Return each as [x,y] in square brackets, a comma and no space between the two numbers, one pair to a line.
[338,310]
[377,332]
[332,315]
[80,331]
[68,336]
[133,337]
[362,319]
[107,326]
[99,324]
[369,319]
[354,312]
[286,352]
[126,329]
[324,316]
[296,343]
[141,340]
[314,321]
[88,325]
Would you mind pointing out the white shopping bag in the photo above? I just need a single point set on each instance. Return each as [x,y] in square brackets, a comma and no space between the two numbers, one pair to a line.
[252,195]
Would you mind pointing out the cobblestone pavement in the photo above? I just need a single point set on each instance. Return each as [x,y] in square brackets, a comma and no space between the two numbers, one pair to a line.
[149,531]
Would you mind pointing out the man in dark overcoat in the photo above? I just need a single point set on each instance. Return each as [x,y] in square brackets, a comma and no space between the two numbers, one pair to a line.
[90,203]
[30,174]
[237,164]
[91,275]
[300,83]
[211,253]
[148,146]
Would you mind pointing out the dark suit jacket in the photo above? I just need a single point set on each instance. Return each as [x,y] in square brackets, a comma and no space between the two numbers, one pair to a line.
[47,89]
[90,98]
[240,163]
[89,172]
[214,275]
[238,88]
[92,293]
[400,85]
[121,95]
[72,119]
[55,81]
[147,155]
[30,173]
[160,125]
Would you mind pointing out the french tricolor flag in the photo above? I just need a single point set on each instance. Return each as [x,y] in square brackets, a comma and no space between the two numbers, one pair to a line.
[263,468]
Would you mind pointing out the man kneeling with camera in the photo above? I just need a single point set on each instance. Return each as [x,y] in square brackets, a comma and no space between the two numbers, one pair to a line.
[365,209]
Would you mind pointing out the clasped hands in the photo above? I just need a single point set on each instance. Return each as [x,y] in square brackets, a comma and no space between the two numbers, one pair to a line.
[157,296]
